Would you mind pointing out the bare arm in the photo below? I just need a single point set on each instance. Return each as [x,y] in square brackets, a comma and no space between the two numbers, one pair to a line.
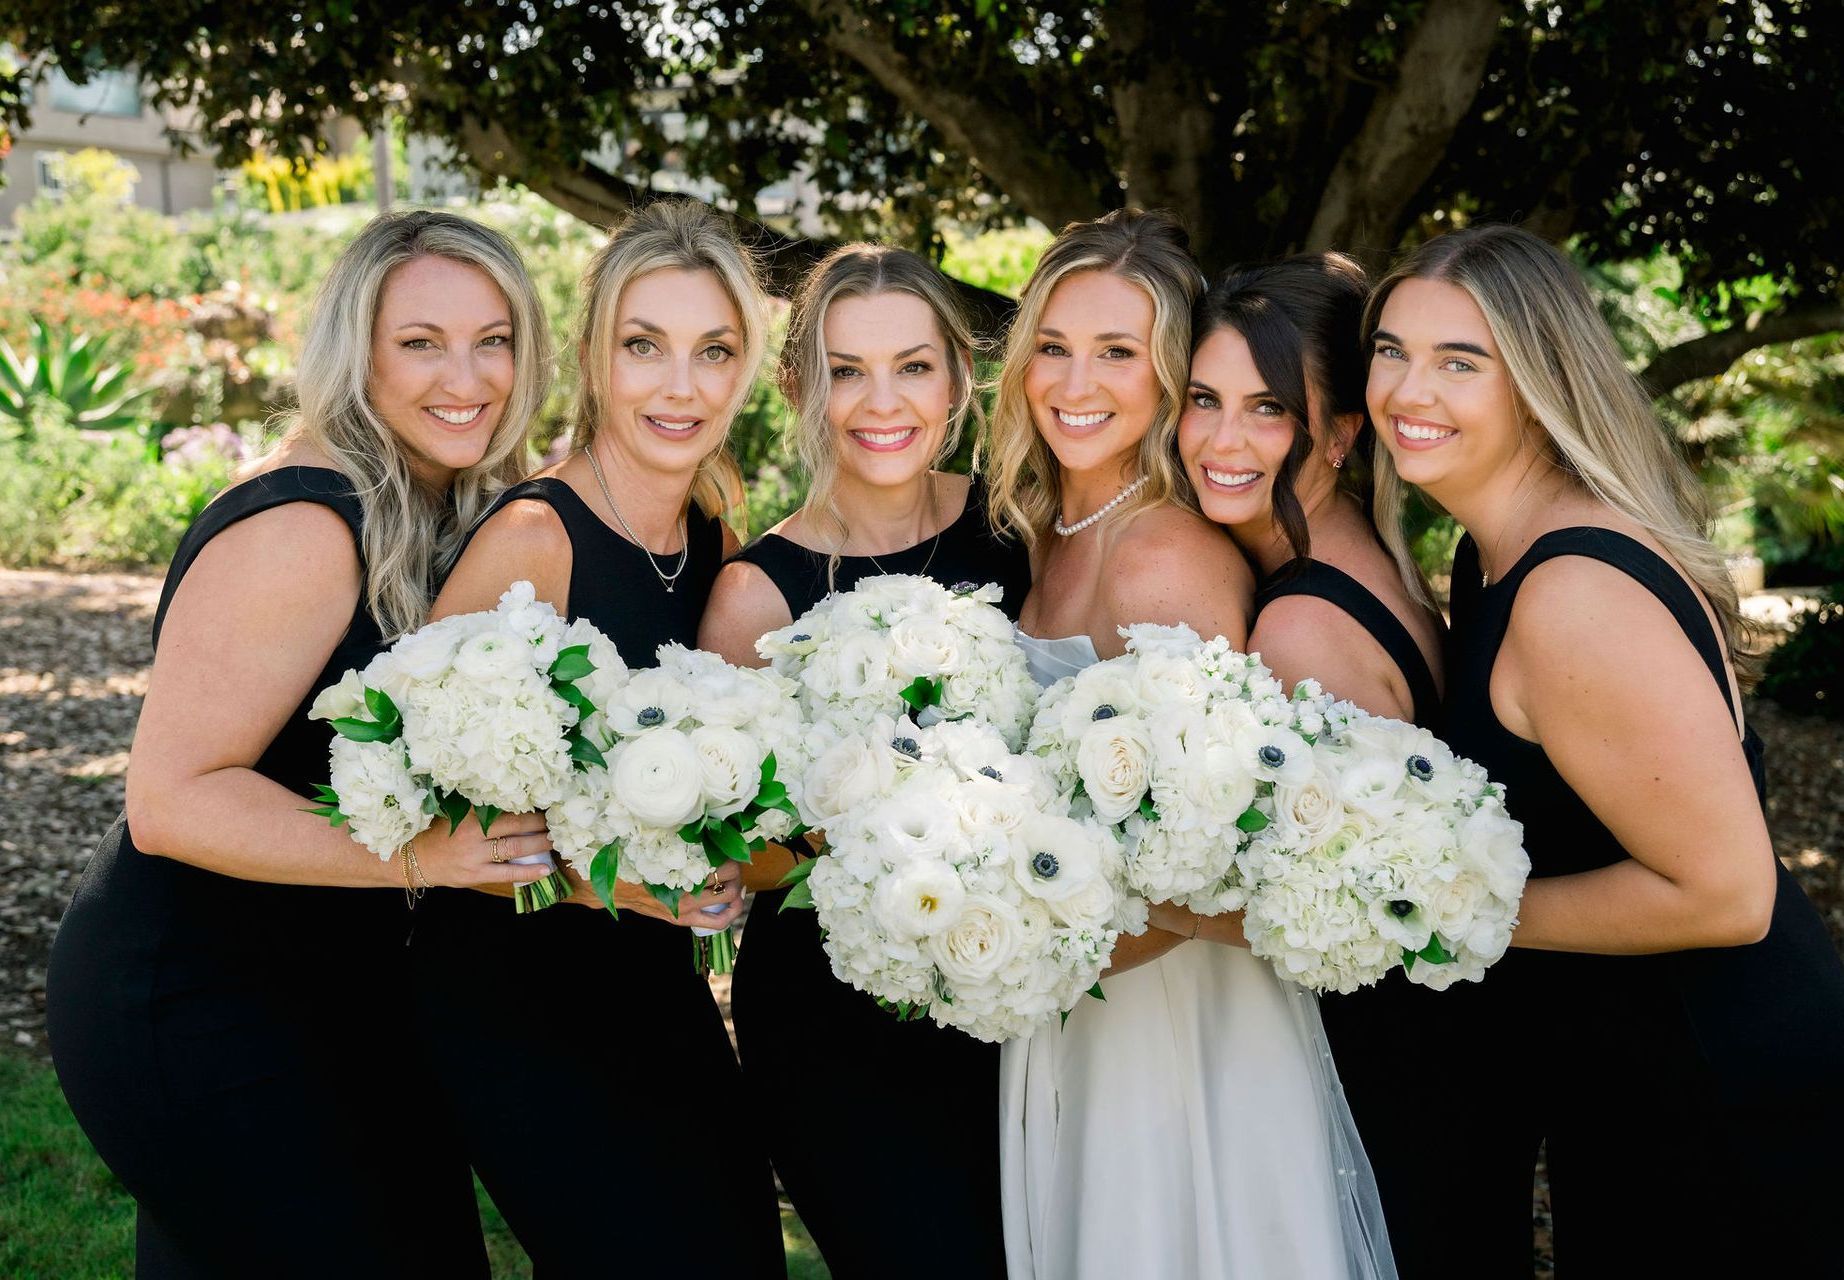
[249,629]
[1302,637]
[1596,670]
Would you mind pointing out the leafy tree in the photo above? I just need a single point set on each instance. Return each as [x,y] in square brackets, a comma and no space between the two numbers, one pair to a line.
[1705,128]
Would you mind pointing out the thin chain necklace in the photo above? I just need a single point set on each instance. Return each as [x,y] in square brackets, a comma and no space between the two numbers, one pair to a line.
[934,543]
[666,580]
[1070,530]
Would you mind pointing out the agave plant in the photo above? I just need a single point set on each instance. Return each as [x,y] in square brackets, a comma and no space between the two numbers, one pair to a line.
[73,369]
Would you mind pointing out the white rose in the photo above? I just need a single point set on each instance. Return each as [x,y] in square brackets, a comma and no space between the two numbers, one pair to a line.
[924,646]
[1113,759]
[731,765]
[851,772]
[920,897]
[1308,812]
[979,943]
[428,653]
[659,778]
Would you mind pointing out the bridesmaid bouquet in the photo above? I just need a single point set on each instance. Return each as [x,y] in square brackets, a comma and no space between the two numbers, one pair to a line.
[903,643]
[1386,848]
[956,884]
[479,711]
[703,767]
[1180,743]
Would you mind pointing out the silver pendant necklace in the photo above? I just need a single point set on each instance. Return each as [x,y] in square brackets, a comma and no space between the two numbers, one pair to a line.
[934,543]
[666,580]
[1070,530]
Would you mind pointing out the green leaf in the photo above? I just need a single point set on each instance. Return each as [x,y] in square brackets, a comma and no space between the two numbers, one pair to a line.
[454,807]
[771,795]
[797,874]
[725,843]
[604,869]
[1148,810]
[693,831]
[485,813]
[1435,952]
[768,768]
[382,709]
[572,664]
[800,896]
[366,730]
[1097,992]
[575,697]
[921,692]
[585,752]
[670,897]
[1252,820]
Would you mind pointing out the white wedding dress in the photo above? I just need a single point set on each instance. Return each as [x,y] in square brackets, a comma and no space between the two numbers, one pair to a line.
[1189,1127]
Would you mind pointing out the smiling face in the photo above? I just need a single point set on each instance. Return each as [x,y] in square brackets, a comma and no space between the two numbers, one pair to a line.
[1440,394]
[1090,383]
[1234,435]
[890,387]
[677,345]
[441,363]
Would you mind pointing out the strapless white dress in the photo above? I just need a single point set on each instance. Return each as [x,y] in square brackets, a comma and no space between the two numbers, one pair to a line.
[1189,1127]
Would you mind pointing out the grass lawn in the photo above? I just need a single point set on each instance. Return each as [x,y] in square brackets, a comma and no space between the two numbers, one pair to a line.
[63,1214]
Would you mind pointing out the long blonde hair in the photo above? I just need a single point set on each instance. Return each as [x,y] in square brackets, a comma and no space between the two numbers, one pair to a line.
[1569,379]
[411,533]
[685,235]
[862,271]
[1152,251]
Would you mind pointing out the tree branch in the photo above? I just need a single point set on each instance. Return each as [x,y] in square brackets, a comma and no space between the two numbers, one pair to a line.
[1000,141]
[1408,128]
[603,199]
[1712,354]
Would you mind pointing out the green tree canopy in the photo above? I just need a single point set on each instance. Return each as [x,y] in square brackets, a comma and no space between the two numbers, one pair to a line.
[1706,128]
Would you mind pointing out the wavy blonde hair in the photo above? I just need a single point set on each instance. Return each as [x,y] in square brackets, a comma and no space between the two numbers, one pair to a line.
[685,235]
[1152,251]
[411,533]
[805,375]
[1568,379]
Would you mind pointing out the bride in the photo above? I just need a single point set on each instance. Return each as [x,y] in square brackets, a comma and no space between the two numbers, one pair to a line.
[1190,1125]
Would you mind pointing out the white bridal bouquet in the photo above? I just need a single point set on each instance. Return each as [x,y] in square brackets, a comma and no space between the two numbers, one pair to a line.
[904,641]
[955,882]
[1385,848]
[480,711]
[1179,743]
[703,767]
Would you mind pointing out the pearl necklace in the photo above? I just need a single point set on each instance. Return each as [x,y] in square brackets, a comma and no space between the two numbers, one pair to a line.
[1070,530]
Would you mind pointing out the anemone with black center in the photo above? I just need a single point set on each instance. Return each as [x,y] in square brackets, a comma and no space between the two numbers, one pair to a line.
[1272,756]
[1402,908]
[1421,767]
[908,747]
[650,717]
[1045,866]
[1103,712]
[988,771]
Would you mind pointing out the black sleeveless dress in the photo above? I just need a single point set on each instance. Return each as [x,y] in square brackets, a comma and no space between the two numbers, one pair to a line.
[854,1167]
[584,1059]
[1369,1028]
[1689,1101]
[236,1049]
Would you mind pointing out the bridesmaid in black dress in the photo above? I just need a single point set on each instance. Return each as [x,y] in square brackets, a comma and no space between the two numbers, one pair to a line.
[226,993]
[1275,439]
[878,363]
[621,1152]
[1670,1022]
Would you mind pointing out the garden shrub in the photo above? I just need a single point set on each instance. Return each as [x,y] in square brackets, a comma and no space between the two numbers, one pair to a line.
[1806,673]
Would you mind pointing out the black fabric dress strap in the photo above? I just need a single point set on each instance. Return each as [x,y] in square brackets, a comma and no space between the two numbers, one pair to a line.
[1640,563]
[1335,586]
[259,493]
[795,570]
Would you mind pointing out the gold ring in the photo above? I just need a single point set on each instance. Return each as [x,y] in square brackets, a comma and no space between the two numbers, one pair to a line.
[498,855]
[714,885]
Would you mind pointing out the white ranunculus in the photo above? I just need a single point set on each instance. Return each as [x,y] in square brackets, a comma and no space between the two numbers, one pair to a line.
[1112,759]
[978,943]
[659,778]
[427,654]
[920,897]
[1492,846]
[731,768]
[338,701]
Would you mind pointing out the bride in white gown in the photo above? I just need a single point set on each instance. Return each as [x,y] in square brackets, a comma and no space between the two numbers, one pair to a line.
[1190,1124]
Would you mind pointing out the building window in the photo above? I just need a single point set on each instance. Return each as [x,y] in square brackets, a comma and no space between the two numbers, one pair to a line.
[49,180]
[108,93]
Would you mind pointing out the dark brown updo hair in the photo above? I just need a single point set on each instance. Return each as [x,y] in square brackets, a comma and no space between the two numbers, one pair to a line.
[1302,319]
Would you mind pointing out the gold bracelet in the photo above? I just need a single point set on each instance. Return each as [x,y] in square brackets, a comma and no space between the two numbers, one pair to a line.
[1197,922]
[412,892]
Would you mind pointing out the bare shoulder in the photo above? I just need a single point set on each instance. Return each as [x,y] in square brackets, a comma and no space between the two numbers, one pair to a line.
[1303,637]
[524,526]
[744,605]
[523,540]
[1171,566]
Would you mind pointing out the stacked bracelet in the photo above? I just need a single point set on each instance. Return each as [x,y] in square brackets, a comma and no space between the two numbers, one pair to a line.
[412,875]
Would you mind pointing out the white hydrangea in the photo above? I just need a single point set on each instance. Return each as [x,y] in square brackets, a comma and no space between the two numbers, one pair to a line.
[1389,850]
[685,742]
[855,652]
[955,881]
